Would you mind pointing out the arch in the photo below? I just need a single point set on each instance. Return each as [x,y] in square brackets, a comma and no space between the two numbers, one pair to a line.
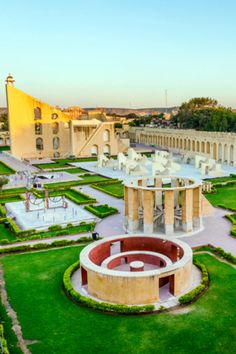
[37,113]
[225,153]
[185,144]
[38,128]
[208,148]
[106,135]
[39,144]
[173,142]
[55,128]
[181,143]
[198,146]
[220,152]
[1,141]
[189,145]
[231,154]
[193,145]
[203,147]
[94,150]
[214,151]
[56,143]
[177,143]
[106,149]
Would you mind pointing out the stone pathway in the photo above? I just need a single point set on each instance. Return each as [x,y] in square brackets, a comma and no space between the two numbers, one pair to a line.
[216,228]
[216,232]
[16,164]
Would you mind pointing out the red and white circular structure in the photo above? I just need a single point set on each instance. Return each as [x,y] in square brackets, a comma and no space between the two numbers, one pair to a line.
[131,269]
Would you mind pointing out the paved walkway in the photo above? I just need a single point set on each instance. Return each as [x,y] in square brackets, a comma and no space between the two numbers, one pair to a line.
[216,228]
[216,232]
[16,164]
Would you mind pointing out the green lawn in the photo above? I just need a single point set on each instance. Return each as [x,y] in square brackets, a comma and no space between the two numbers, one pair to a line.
[72,170]
[63,163]
[73,195]
[10,199]
[14,190]
[6,234]
[5,170]
[5,148]
[225,195]
[114,189]
[102,210]
[85,179]
[34,286]
[231,178]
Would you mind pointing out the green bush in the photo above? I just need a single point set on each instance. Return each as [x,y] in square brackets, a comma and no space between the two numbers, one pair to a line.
[3,212]
[102,306]
[101,211]
[55,228]
[37,246]
[3,341]
[195,293]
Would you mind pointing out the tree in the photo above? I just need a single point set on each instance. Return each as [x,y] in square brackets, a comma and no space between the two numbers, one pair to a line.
[3,181]
[205,114]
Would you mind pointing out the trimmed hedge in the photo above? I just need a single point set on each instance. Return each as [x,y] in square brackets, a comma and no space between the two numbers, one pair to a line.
[37,246]
[232,218]
[218,251]
[99,210]
[196,292]
[54,231]
[102,306]
[3,341]
[99,187]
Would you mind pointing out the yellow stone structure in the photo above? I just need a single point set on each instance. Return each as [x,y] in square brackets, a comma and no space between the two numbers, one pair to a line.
[108,273]
[169,204]
[219,146]
[38,130]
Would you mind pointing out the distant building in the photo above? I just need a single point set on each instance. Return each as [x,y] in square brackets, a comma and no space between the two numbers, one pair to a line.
[38,130]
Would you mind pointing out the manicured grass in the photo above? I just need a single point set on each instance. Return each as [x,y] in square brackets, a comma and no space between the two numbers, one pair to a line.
[10,199]
[6,234]
[63,163]
[5,148]
[72,170]
[114,189]
[74,195]
[231,178]
[34,281]
[13,190]
[101,211]
[5,170]
[85,179]
[225,196]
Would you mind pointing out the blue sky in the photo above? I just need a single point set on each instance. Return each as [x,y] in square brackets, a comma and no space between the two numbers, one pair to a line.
[119,53]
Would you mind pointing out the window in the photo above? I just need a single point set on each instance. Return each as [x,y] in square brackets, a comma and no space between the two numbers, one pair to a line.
[54,116]
[94,150]
[55,128]
[38,128]
[56,143]
[39,144]
[106,135]
[37,113]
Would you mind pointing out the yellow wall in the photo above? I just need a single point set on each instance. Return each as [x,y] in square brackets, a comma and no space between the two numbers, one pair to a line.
[73,140]
[22,126]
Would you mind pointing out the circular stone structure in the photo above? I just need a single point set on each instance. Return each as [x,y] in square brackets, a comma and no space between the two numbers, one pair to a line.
[106,269]
[163,204]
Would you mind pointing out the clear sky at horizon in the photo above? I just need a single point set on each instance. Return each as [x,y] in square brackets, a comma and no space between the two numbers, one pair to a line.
[119,53]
